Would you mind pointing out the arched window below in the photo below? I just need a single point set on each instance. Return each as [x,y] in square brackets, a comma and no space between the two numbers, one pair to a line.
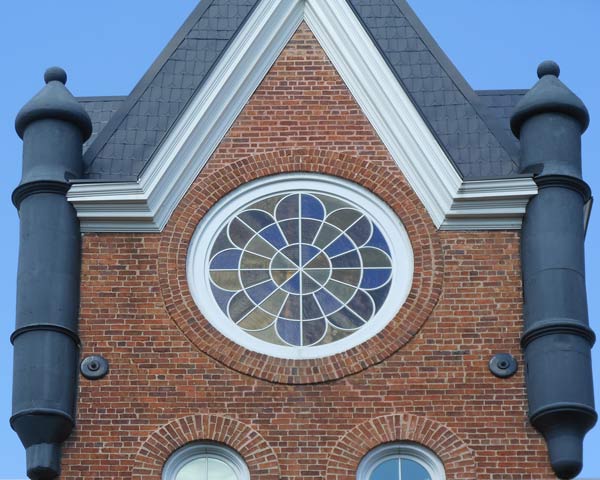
[205,461]
[401,461]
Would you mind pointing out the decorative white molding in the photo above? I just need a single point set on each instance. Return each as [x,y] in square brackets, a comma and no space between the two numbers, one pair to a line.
[146,205]
[497,204]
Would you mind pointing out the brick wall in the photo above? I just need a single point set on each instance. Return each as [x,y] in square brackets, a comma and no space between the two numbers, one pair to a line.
[424,378]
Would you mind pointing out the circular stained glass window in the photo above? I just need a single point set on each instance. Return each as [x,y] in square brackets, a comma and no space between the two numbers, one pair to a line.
[300,266]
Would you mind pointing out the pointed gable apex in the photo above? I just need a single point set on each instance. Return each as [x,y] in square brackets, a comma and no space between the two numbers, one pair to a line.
[165,133]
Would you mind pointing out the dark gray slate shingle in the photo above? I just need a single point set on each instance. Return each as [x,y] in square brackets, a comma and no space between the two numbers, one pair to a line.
[474,136]
[129,141]
[470,134]
[502,104]
[100,110]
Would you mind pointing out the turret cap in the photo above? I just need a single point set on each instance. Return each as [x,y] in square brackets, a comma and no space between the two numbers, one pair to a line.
[549,95]
[548,68]
[55,74]
[54,101]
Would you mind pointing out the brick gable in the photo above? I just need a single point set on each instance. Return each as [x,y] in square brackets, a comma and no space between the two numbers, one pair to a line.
[425,375]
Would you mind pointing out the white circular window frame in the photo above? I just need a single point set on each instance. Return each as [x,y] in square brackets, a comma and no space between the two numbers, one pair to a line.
[410,451]
[199,450]
[384,217]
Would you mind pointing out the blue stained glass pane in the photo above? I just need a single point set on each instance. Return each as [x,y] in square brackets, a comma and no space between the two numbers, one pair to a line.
[312,208]
[227,260]
[362,305]
[380,295]
[309,230]
[293,284]
[256,219]
[291,230]
[260,292]
[347,260]
[378,241]
[360,232]
[329,303]
[313,331]
[388,470]
[345,319]
[289,331]
[288,208]
[375,278]
[339,246]
[310,309]
[222,297]
[273,235]
[411,470]
[308,253]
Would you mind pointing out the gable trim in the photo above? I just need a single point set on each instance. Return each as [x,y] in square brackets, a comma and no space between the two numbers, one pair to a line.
[147,204]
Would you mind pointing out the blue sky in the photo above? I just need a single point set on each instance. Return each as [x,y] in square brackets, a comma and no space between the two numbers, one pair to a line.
[107,46]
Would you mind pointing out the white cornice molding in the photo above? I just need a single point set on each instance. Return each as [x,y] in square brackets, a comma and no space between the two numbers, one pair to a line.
[146,205]
[496,204]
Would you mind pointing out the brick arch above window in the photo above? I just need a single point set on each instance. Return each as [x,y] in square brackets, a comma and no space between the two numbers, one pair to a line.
[259,456]
[384,180]
[457,457]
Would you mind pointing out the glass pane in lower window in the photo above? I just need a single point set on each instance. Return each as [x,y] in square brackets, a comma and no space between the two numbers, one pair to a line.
[219,470]
[387,470]
[194,470]
[411,470]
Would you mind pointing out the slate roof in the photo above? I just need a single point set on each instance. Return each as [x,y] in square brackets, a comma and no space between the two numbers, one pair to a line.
[502,104]
[473,138]
[100,110]
[473,129]
[127,143]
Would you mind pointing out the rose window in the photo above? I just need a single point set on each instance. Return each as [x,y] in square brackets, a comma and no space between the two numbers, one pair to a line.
[298,270]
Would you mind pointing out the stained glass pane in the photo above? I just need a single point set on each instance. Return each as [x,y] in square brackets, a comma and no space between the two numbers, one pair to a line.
[300,269]
[256,219]
[257,319]
[346,319]
[313,331]
[312,207]
[289,331]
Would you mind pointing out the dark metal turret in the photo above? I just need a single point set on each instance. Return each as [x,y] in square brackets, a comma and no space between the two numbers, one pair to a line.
[557,340]
[53,127]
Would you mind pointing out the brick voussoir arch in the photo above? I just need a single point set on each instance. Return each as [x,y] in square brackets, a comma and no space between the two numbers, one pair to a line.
[257,453]
[458,458]
[384,180]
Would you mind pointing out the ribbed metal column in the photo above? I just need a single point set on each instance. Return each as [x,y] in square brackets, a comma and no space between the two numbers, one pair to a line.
[53,127]
[557,340]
